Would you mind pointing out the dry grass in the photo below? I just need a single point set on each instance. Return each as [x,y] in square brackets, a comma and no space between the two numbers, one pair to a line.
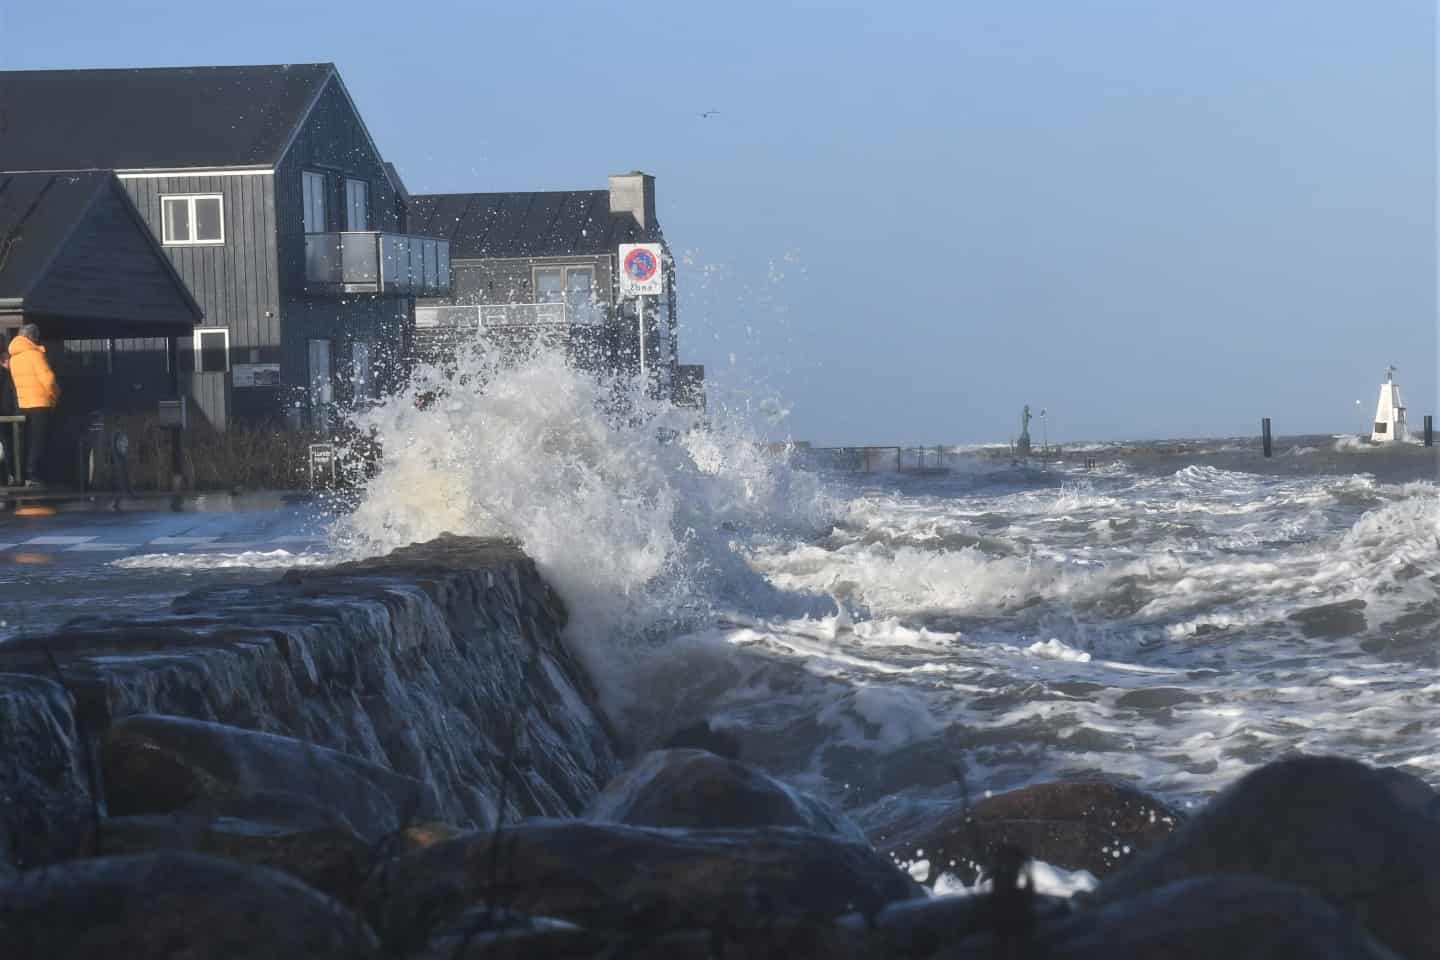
[254,456]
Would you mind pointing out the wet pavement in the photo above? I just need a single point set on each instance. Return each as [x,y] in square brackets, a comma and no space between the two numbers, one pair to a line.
[60,559]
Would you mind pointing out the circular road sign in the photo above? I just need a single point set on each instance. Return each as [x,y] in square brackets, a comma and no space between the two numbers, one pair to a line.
[641,265]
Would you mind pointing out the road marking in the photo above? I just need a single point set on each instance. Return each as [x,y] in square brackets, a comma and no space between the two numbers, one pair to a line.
[180,541]
[102,547]
[57,541]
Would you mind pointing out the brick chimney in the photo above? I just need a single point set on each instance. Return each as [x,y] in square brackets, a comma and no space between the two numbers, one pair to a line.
[634,193]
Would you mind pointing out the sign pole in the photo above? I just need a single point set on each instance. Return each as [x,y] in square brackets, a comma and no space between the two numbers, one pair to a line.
[640,274]
[640,320]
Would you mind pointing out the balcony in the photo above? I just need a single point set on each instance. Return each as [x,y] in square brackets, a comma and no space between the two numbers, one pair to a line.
[499,316]
[389,264]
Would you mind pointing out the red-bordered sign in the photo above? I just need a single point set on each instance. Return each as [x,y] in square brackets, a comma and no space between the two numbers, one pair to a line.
[640,268]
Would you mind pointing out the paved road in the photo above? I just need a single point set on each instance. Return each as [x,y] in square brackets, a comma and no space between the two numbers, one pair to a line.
[60,560]
[80,532]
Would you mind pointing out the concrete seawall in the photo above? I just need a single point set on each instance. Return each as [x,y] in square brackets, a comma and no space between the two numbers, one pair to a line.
[441,662]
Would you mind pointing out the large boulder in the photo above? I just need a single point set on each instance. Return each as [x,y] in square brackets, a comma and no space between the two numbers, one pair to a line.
[331,859]
[174,905]
[918,928]
[46,810]
[156,764]
[696,788]
[634,878]
[1234,916]
[1366,840]
[1091,825]
[791,942]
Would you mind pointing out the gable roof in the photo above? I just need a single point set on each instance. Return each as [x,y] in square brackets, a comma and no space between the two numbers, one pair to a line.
[37,213]
[50,226]
[154,118]
[484,226]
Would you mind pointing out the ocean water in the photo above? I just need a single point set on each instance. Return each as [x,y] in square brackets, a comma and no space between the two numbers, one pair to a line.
[1175,615]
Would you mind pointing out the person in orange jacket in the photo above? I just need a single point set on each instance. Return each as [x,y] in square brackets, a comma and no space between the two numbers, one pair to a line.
[36,393]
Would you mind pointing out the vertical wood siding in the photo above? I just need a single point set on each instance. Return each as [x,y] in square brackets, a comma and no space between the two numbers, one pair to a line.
[235,283]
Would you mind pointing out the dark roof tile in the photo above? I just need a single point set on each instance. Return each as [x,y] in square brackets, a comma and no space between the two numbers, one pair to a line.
[506,225]
[155,118]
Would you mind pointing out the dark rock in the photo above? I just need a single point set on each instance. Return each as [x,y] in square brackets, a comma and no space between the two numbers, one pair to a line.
[421,835]
[1237,917]
[173,905]
[701,736]
[787,941]
[693,788]
[421,662]
[46,810]
[331,859]
[1366,841]
[1343,619]
[157,764]
[608,876]
[1089,825]
[918,928]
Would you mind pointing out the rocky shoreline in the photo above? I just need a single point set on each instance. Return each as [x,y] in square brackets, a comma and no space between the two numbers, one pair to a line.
[400,758]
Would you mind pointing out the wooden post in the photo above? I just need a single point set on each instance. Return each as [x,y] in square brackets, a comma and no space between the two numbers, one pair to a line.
[1265,435]
[1429,430]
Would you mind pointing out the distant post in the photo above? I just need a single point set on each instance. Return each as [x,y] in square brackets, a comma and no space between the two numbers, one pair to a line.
[1265,435]
[1429,430]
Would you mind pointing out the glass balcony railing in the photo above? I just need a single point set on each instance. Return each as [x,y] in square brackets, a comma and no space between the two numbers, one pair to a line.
[390,264]
[577,312]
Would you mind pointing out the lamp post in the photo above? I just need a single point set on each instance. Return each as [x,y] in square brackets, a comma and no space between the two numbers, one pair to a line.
[1044,433]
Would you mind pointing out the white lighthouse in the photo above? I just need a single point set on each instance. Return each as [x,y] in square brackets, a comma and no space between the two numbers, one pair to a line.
[1389,412]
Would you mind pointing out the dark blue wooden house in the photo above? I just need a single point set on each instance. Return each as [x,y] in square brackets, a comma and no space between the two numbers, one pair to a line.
[274,205]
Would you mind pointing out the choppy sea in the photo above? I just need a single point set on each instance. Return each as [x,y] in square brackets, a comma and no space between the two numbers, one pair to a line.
[1172,613]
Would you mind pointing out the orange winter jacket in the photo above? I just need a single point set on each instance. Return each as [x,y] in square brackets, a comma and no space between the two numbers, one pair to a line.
[35,384]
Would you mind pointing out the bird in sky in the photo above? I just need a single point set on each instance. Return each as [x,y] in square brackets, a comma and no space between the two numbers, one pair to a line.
[709,113]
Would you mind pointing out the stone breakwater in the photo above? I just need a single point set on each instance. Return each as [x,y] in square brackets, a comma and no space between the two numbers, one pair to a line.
[399,759]
[436,668]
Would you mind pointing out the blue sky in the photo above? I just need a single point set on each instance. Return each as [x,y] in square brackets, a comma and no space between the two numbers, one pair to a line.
[1152,218]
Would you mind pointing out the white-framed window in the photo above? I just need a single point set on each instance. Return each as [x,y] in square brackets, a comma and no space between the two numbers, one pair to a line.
[193,219]
[212,349]
[312,185]
[357,205]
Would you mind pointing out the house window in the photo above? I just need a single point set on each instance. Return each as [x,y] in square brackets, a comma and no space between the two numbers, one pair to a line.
[549,284]
[313,186]
[190,220]
[357,205]
[572,286]
[212,350]
[579,294]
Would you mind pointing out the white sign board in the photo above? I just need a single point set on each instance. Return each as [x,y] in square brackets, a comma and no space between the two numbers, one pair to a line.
[640,272]
[322,461]
[256,374]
